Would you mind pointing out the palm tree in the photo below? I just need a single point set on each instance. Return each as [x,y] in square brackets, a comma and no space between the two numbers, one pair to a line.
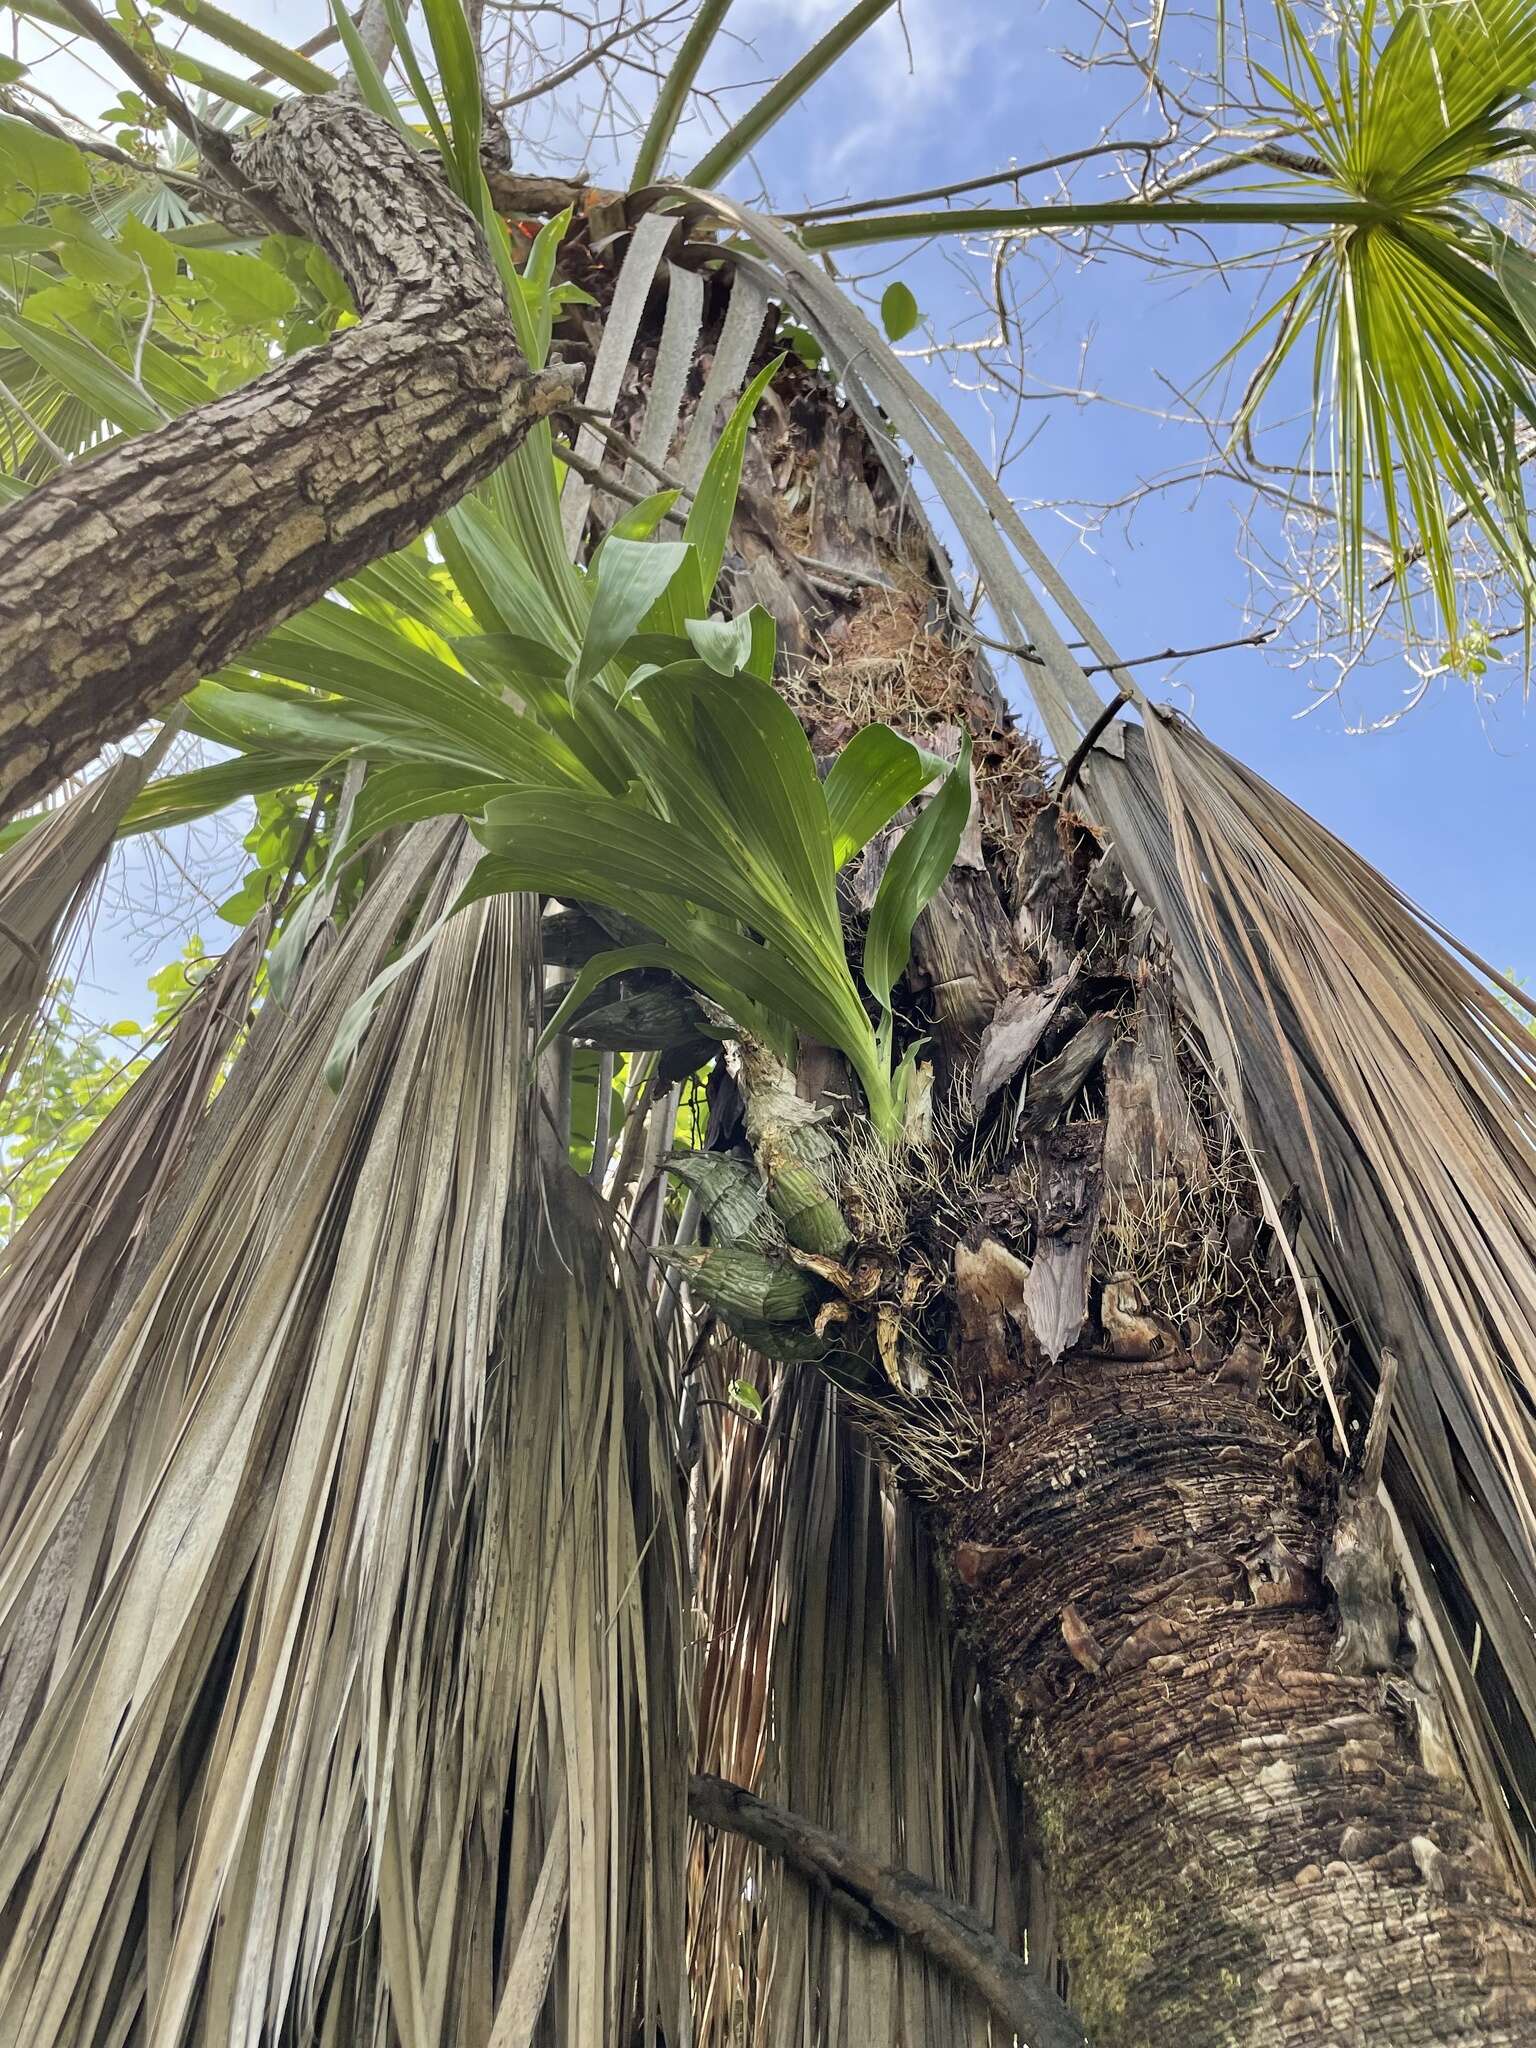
[1074,1439]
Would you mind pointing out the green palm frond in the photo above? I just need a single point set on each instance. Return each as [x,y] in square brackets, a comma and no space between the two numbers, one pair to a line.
[1424,366]
[1415,302]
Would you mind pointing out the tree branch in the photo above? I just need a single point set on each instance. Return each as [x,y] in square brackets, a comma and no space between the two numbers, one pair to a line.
[562,76]
[126,578]
[211,143]
[942,1928]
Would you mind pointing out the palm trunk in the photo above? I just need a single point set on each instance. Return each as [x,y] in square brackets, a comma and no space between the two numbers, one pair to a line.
[1245,1840]
[1253,1828]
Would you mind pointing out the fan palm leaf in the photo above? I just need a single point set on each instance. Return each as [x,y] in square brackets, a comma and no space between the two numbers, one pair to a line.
[47,877]
[320,1435]
[1414,301]
[59,1274]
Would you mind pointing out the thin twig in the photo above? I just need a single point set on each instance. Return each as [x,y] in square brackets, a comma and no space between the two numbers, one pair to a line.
[211,144]
[566,72]
[1089,741]
[833,210]
[1097,668]
[608,480]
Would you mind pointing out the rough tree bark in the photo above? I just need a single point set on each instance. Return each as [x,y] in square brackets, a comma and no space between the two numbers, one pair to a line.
[128,576]
[1251,1836]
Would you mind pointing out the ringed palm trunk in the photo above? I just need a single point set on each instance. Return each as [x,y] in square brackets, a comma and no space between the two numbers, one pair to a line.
[1253,1827]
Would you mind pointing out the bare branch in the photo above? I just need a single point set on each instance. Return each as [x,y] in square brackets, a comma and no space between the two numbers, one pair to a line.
[577,65]
[951,1934]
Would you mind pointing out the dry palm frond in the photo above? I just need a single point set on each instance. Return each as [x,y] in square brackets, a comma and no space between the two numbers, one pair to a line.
[1375,1068]
[59,1273]
[46,879]
[830,1682]
[356,1513]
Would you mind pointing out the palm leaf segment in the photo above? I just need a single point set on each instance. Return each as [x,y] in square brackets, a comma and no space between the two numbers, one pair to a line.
[1418,304]
[1424,310]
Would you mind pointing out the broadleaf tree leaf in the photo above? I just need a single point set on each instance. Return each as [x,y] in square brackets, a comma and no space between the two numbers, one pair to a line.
[250,291]
[26,241]
[898,311]
[156,254]
[44,164]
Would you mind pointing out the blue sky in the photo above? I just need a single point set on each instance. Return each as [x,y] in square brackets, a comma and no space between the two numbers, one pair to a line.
[1428,801]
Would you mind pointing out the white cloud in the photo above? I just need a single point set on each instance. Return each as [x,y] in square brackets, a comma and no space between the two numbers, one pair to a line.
[896,91]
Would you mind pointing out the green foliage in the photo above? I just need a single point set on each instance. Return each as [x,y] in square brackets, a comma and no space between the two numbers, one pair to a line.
[746,1396]
[1424,356]
[73,1073]
[610,740]
[284,846]
[898,311]
[1416,310]
[39,164]
[109,325]
[649,769]
[722,845]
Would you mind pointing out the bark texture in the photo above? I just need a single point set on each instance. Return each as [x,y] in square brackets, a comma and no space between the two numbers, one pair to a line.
[1243,1840]
[126,578]
[1254,1831]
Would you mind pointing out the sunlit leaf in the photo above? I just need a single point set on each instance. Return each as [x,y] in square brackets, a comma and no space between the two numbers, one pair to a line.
[898,311]
[913,877]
